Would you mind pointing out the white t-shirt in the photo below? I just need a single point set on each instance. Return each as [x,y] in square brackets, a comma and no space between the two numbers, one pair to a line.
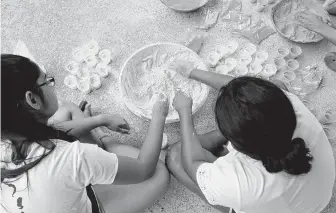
[242,183]
[57,184]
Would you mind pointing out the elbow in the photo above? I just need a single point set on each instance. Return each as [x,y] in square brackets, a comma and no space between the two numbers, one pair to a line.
[146,172]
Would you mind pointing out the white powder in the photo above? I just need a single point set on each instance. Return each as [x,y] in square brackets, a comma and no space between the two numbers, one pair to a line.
[152,78]
[285,20]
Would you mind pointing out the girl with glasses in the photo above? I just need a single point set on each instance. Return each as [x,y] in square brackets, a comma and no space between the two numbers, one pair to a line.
[41,171]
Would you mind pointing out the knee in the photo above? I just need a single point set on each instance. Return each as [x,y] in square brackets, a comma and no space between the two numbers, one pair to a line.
[161,175]
[173,158]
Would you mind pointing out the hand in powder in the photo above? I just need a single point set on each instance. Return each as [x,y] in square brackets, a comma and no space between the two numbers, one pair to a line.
[182,102]
[161,107]
[182,67]
[311,21]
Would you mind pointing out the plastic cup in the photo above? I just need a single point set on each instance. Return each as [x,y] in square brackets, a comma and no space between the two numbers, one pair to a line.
[83,73]
[70,81]
[280,62]
[231,63]
[241,70]
[213,59]
[283,52]
[84,86]
[232,47]
[245,59]
[250,49]
[293,64]
[222,69]
[255,68]
[92,47]
[270,69]
[289,76]
[95,81]
[91,60]
[261,56]
[72,67]
[103,70]
[294,52]
[105,56]
[78,55]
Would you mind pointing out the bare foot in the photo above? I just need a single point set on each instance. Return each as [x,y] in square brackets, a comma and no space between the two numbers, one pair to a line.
[105,138]
[87,110]
[330,6]
[330,60]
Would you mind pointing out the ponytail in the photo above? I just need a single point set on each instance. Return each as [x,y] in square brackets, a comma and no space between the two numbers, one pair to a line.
[296,162]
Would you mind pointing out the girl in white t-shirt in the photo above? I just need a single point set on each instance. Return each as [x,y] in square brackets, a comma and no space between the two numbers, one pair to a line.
[42,172]
[278,158]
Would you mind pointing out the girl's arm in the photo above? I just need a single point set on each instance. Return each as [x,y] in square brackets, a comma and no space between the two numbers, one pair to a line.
[80,126]
[130,170]
[192,152]
[214,80]
[140,169]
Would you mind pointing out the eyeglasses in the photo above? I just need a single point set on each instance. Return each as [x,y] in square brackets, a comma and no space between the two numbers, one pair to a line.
[50,81]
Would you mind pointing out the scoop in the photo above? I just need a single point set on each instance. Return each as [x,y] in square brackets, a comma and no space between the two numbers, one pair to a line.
[330,61]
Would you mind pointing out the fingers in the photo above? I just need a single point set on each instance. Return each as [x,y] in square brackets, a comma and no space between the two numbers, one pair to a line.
[125,126]
[123,131]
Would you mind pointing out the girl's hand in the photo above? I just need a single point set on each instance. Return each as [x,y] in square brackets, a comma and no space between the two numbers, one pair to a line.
[116,123]
[308,19]
[182,67]
[182,102]
[161,107]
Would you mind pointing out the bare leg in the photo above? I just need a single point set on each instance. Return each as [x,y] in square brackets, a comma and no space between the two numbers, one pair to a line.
[135,197]
[174,162]
[214,142]
[91,137]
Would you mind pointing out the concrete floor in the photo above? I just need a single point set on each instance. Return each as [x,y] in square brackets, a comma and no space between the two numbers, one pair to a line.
[51,29]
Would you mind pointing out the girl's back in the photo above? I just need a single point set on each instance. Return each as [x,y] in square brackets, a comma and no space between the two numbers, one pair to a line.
[57,184]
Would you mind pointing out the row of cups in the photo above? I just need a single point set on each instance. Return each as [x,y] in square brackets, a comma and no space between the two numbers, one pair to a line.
[249,61]
[88,65]
[286,62]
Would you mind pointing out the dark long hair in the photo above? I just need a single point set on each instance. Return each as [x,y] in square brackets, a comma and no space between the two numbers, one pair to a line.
[19,75]
[259,120]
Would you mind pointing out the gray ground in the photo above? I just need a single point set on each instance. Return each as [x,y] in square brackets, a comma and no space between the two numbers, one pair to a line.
[51,29]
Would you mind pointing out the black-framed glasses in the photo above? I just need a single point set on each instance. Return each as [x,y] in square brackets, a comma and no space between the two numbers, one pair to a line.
[50,81]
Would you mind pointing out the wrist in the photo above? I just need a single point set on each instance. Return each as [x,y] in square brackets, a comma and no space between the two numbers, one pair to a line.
[191,73]
[102,119]
[159,117]
[185,111]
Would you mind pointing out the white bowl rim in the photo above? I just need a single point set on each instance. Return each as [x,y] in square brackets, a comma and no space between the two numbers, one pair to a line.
[168,121]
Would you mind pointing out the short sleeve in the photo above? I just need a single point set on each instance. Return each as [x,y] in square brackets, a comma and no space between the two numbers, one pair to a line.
[95,165]
[219,185]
